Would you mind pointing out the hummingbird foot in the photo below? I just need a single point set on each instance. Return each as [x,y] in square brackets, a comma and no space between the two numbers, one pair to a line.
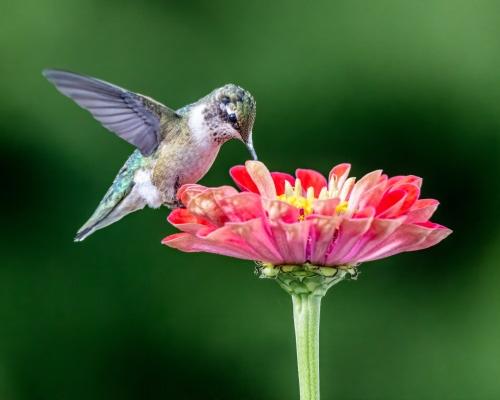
[174,204]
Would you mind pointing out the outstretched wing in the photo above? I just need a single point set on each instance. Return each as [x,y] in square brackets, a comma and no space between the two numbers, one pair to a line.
[133,117]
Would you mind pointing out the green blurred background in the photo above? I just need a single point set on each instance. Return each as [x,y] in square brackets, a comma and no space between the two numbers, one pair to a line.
[407,86]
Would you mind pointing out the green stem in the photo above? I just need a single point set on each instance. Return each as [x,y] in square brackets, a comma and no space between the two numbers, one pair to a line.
[307,284]
[306,313]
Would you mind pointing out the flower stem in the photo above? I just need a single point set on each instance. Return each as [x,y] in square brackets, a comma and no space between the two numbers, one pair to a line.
[306,313]
[307,284]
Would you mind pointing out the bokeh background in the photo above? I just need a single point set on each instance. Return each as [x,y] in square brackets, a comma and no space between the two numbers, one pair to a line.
[412,87]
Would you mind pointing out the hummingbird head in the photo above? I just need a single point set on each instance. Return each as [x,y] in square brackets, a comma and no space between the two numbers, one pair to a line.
[236,113]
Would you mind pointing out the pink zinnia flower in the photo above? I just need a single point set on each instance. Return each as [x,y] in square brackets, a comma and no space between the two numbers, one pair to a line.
[280,219]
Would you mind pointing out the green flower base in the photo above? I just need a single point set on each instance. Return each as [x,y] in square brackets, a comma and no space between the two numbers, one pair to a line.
[307,278]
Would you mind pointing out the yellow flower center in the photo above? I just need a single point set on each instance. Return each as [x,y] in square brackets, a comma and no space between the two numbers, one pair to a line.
[302,203]
[342,207]
[294,197]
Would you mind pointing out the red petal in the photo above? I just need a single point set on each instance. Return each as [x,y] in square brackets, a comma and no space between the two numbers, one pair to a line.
[412,193]
[431,225]
[279,179]
[390,199]
[183,216]
[242,179]
[311,178]
[183,220]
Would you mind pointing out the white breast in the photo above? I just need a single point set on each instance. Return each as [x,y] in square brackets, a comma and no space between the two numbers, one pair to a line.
[145,188]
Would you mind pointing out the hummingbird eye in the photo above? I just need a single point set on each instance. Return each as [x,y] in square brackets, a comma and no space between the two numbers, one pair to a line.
[232,118]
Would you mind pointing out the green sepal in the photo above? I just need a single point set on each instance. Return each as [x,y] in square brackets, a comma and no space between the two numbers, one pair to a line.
[306,278]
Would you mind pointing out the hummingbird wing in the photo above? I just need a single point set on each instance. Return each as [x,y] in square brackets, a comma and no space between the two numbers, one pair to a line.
[133,117]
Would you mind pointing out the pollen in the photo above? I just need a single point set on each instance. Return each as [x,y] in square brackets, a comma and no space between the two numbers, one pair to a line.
[342,207]
[302,203]
[294,195]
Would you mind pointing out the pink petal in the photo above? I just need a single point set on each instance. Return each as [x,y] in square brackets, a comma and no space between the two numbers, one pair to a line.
[262,178]
[241,207]
[225,243]
[350,232]
[408,237]
[326,207]
[188,191]
[422,210]
[279,179]
[433,238]
[281,210]
[257,236]
[363,185]
[242,179]
[339,174]
[379,231]
[366,212]
[403,179]
[372,197]
[310,178]
[350,257]
[206,204]
[346,190]
[291,240]
[323,231]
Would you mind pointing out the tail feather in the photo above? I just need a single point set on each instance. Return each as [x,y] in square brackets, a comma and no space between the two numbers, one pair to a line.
[83,233]
[124,207]
[114,204]
[100,217]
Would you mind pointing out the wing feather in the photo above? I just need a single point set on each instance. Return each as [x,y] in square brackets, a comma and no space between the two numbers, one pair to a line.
[131,116]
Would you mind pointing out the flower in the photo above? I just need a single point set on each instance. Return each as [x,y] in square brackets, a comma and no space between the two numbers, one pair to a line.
[308,234]
[279,219]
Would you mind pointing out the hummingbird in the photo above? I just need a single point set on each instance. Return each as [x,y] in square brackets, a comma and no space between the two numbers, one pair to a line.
[173,147]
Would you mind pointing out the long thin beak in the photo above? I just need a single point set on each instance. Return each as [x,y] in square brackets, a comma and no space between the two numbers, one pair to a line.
[250,148]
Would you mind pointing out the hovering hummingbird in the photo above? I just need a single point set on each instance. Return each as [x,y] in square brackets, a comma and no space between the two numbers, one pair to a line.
[173,147]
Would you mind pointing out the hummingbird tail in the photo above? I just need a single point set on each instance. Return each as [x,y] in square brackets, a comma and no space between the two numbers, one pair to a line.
[98,220]
[118,200]
[82,234]
[106,215]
